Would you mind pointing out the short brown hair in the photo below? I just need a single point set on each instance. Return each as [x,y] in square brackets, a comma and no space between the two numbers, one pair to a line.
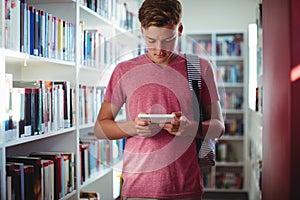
[160,13]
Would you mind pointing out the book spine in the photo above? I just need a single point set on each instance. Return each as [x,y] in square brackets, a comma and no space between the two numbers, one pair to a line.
[15,22]
[36,32]
[32,30]
[55,37]
[27,104]
[22,112]
[25,22]
[54,109]
[72,41]
[40,33]
[60,39]
[64,39]
[50,35]
[42,46]
[28,180]
[22,26]
[28,30]
[46,29]
[34,111]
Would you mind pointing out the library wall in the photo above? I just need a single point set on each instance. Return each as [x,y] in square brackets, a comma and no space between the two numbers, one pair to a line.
[203,15]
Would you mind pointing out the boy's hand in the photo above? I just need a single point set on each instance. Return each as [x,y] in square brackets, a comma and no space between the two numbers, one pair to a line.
[181,126]
[146,129]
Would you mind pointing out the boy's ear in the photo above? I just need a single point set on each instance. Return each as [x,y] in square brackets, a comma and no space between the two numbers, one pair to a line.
[142,31]
[180,29]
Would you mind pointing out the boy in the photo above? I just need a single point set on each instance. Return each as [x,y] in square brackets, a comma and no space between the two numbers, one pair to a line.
[160,159]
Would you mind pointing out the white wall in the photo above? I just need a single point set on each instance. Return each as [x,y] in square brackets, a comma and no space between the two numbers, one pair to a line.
[214,15]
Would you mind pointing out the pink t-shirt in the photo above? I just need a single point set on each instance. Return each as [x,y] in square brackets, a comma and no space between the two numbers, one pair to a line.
[161,166]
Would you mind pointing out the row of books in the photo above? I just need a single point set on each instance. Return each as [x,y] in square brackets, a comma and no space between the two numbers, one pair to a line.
[229,45]
[115,11]
[259,99]
[234,127]
[225,152]
[37,32]
[40,175]
[230,178]
[96,154]
[200,47]
[96,49]
[90,100]
[41,106]
[231,100]
[37,107]
[230,74]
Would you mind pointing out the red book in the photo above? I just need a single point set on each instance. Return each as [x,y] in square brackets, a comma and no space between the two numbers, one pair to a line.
[38,171]
[57,158]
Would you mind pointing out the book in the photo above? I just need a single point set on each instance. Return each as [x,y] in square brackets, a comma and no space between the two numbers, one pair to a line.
[48,177]
[18,111]
[9,126]
[16,33]
[38,172]
[69,170]
[24,22]
[58,160]
[9,181]
[20,182]
[34,95]
[7,23]
[36,32]
[28,181]
[66,102]
[89,195]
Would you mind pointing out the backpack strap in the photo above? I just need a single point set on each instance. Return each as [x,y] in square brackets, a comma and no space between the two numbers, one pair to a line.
[194,79]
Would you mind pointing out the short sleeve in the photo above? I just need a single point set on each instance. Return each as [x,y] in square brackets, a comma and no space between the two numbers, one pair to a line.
[209,92]
[114,93]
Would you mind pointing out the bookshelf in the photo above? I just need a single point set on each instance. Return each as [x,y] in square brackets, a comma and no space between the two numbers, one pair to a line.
[228,54]
[255,105]
[81,53]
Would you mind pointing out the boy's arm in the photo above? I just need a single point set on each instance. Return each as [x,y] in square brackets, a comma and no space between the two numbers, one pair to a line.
[213,124]
[107,128]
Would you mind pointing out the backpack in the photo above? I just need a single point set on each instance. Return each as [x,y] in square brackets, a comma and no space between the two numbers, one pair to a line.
[206,149]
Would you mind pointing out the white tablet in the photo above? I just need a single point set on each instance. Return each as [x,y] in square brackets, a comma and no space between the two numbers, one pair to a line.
[157,118]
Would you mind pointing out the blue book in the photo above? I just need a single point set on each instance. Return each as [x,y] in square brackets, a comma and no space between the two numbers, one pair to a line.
[40,28]
[31,31]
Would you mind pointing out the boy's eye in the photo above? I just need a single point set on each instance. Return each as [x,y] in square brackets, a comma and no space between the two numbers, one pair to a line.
[151,41]
[169,40]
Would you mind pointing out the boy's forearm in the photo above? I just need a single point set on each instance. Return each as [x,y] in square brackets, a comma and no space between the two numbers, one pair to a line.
[213,128]
[109,129]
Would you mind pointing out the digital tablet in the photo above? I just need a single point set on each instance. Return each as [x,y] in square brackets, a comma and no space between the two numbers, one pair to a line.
[157,118]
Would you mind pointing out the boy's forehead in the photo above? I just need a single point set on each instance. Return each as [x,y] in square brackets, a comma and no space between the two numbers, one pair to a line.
[154,30]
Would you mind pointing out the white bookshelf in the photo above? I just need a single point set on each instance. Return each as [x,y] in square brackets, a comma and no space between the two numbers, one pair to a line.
[211,45]
[255,110]
[27,67]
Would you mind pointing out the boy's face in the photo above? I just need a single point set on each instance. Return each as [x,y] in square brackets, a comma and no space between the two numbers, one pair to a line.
[161,42]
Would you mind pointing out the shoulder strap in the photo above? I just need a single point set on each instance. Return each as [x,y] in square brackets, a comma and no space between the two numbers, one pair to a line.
[193,68]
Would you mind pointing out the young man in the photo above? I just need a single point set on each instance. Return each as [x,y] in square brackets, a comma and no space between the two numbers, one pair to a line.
[160,159]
